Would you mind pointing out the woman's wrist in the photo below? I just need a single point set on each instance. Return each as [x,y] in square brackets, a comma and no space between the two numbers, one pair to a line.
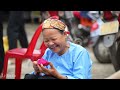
[62,77]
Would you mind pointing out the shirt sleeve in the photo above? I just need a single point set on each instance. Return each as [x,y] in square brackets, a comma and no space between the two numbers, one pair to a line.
[82,66]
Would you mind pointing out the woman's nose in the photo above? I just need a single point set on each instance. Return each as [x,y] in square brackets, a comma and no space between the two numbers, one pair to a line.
[50,43]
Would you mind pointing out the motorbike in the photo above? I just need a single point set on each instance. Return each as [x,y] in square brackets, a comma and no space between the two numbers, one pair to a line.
[104,38]
[101,52]
[83,35]
[105,46]
[115,48]
[82,32]
[88,35]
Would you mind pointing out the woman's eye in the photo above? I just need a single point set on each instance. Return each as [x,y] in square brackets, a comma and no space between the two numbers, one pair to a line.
[45,40]
[53,39]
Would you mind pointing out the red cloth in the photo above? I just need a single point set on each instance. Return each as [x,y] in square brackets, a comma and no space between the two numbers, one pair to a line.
[94,27]
[76,14]
[53,13]
[108,15]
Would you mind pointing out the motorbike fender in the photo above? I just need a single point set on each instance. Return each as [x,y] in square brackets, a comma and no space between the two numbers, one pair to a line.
[108,40]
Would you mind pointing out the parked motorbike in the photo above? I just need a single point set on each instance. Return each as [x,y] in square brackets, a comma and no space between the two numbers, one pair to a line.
[111,39]
[82,32]
[83,35]
[115,48]
[101,52]
[106,47]
[105,39]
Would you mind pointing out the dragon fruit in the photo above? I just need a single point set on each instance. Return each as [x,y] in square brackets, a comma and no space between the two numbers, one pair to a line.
[42,61]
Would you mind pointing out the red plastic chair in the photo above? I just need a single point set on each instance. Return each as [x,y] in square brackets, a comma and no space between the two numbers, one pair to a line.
[21,53]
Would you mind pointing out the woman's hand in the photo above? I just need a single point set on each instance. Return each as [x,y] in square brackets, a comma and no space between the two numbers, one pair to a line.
[36,67]
[52,71]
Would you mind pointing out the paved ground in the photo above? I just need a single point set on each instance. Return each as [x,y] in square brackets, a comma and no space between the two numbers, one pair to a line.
[99,71]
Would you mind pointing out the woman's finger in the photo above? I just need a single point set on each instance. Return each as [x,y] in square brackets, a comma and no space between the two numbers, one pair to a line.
[39,68]
[51,65]
[45,70]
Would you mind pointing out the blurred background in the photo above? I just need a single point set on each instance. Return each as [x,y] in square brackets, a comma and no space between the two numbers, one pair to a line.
[97,31]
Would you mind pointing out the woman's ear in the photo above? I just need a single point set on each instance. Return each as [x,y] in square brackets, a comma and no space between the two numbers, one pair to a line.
[66,32]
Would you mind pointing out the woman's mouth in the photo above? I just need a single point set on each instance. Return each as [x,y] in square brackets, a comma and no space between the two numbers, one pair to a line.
[53,47]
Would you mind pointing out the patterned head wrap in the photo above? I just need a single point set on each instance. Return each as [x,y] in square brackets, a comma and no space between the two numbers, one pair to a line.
[52,23]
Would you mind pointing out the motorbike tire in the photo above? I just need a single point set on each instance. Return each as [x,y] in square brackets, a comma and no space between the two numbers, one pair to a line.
[115,55]
[101,52]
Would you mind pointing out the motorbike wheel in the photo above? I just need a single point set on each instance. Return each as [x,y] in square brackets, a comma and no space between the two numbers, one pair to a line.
[101,52]
[115,55]
[78,41]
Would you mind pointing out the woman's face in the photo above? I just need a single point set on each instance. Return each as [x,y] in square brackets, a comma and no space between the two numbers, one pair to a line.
[55,40]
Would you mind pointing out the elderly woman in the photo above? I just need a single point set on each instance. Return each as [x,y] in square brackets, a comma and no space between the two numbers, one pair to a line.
[66,59]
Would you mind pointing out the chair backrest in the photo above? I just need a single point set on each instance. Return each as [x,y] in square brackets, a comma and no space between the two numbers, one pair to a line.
[42,48]
[33,42]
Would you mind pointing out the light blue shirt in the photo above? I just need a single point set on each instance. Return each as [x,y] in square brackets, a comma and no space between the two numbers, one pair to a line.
[74,63]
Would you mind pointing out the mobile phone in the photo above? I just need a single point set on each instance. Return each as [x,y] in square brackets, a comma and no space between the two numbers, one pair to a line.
[42,61]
